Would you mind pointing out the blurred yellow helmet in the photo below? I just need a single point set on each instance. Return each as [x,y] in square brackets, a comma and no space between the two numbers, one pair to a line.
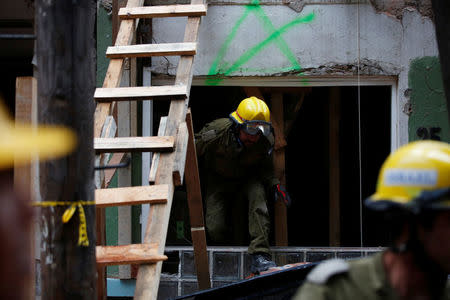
[251,109]
[20,143]
[415,176]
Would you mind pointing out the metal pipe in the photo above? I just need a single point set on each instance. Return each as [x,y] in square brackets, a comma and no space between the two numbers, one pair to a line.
[14,36]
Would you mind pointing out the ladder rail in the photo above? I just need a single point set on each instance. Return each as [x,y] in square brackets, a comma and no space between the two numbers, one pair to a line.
[171,164]
[149,275]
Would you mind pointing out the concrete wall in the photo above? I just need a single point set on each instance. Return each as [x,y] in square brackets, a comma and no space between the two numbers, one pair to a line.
[321,40]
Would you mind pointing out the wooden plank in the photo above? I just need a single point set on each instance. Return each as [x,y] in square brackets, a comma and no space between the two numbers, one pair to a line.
[148,50]
[134,144]
[154,194]
[289,123]
[160,11]
[281,230]
[148,277]
[194,197]
[24,175]
[334,207]
[109,173]
[74,109]
[128,254]
[155,159]
[109,130]
[141,93]
[180,156]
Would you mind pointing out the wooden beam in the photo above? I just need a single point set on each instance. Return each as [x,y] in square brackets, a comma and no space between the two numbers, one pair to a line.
[180,156]
[289,123]
[128,254]
[154,194]
[281,229]
[148,277]
[109,173]
[148,50]
[66,83]
[134,144]
[155,159]
[160,11]
[24,175]
[194,197]
[334,174]
[141,93]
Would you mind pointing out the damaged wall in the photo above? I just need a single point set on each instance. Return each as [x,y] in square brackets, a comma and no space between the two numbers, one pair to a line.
[321,40]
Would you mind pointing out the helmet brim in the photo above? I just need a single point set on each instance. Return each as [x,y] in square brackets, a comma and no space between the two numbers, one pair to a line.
[234,116]
[21,143]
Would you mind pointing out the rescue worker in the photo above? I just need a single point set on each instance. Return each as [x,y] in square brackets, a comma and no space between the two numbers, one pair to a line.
[19,144]
[238,172]
[413,195]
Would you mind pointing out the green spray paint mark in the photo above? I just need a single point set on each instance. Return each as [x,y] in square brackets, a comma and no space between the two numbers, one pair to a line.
[219,69]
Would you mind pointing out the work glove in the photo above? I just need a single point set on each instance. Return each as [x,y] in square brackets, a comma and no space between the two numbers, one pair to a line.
[281,194]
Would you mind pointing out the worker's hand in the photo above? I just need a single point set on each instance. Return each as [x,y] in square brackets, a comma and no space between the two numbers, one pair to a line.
[281,194]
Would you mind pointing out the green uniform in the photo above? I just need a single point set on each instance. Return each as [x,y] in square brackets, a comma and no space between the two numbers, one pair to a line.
[236,179]
[355,279]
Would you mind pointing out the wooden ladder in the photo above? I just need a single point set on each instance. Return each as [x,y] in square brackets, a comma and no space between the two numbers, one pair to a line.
[173,143]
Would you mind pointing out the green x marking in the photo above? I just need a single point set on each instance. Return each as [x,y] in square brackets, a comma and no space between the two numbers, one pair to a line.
[220,69]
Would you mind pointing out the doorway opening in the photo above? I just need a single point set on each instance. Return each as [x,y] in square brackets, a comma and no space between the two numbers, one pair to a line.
[312,115]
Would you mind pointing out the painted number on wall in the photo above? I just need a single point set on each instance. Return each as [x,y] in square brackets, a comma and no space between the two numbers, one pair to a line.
[429,133]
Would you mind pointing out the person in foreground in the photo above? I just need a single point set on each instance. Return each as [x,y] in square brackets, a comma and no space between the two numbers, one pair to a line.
[413,195]
[20,145]
[235,153]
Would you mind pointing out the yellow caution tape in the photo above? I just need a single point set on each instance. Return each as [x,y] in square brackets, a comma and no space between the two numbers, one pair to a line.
[83,239]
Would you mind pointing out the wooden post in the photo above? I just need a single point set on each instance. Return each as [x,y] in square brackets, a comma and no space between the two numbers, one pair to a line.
[441,10]
[24,179]
[334,115]
[66,83]
[194,195]
[281,230]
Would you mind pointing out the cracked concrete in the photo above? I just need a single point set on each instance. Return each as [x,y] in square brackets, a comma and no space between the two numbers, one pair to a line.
[395,8]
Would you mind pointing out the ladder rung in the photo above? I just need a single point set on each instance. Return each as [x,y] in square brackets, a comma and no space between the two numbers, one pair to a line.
[168,92]
[153,194]
[134,144]
[147,50]
[128,254]
[160,11]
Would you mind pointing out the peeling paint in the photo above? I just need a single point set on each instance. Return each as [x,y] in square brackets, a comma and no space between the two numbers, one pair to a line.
[395,8]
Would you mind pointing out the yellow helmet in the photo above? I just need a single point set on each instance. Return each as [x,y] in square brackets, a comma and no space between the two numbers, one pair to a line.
[21,143]
[251,109]
[415,176]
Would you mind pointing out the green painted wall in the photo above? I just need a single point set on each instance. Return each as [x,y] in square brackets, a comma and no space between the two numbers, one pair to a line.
[104,40]
[429,118]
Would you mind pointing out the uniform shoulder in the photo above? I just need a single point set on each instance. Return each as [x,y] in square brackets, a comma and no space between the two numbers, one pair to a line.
[328,269]
[214,129]
[219,123]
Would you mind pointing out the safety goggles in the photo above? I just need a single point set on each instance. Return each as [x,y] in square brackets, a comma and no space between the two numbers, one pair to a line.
[257,127]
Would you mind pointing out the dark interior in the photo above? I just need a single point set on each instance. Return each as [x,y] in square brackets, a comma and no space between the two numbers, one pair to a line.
[307,157]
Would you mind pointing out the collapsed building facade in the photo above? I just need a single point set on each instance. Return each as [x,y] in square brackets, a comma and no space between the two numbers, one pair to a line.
[357,79]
